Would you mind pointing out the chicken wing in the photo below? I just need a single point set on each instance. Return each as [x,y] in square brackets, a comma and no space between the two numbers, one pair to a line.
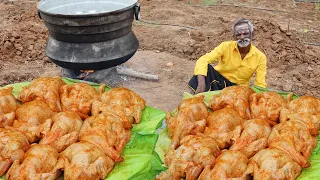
[305,109]
[236,97]
[8,106]
[124,102]
[84,161]
[229,165]
[32,118]
[267,106]
[45,89]
[78,97]
[293,138]
[224,125]
[64,131]
[39,163]
[273,164]
[13,145]
[106,131]
[191,118]
[253,138]
[195,153]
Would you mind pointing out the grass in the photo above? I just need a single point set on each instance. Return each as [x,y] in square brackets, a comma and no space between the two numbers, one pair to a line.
[317,8]
[210,2]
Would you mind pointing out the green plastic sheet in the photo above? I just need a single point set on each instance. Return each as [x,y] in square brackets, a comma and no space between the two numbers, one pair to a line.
[313,172]
[140,159]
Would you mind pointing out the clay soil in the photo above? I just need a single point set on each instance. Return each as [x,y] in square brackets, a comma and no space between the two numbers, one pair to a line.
[287,33]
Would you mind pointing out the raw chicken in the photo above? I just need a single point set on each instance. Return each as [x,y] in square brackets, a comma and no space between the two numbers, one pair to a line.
[254,137]
[267,106]
[305,109]
[191,118]
[78,97]
[64,131]
[39,163]
[188,161]
[124,102]
[236,97]
[225,126]
[8,106]
[13,145]
[309,120]
[293,138]
[45,89]
[32,118]
[106,131]
[229,165]
[273,164]
[84,161]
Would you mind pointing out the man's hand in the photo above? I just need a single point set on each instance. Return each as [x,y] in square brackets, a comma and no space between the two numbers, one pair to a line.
[201,84]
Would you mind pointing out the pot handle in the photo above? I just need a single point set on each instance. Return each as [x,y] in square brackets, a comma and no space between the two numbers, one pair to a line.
[137,11]
[39,14]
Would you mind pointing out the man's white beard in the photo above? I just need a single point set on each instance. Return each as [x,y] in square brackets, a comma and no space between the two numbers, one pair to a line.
[244,42]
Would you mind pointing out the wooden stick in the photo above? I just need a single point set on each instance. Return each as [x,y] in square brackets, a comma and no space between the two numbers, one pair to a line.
[130,72]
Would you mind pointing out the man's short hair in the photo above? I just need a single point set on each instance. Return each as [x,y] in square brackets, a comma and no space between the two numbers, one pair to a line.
[242,21]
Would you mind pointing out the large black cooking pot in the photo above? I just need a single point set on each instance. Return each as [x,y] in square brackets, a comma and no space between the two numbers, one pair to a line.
[89,34]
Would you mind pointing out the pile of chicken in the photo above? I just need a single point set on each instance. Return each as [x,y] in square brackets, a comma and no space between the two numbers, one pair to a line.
[58,128]
[244,135]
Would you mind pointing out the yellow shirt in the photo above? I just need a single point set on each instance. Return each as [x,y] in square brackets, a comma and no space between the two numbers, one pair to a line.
[231,65]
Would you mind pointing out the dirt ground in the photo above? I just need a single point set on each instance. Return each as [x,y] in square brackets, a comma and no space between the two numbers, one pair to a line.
[287,33]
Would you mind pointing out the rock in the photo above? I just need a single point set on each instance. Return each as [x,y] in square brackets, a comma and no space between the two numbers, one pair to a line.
[18,53]
[7,45]
[274,46]
[157,51]
[283,28]
[310,52]
[18,47]
[288,33]
[15,35]
[169,64]
[287,87]
[277,38]
[310,68]
[312,75]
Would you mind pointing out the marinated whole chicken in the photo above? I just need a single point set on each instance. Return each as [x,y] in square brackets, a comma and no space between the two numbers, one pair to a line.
[78,97]
[229,165]
[8,106]
[106,131]
[273,164]
[309,120]
[267,106]
[253,138]
[224,125]
[13,145]
[45,89]
[191,119]
[293,138]
[84,161]
[32,118]
[188,161]
[64,131]
[40,162]
[236,97]
[124,102]
[305,109]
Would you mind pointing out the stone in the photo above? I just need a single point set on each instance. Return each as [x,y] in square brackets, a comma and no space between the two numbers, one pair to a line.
[310,52]
[15,35]
[18,47]
[310,68]
[274,46]
[287,87]
[277,38]
[169,64]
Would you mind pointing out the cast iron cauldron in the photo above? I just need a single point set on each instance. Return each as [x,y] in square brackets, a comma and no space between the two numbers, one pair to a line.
[89,34]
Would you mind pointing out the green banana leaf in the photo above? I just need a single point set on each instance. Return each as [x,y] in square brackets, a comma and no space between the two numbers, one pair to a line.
[313,172]
[140,159]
